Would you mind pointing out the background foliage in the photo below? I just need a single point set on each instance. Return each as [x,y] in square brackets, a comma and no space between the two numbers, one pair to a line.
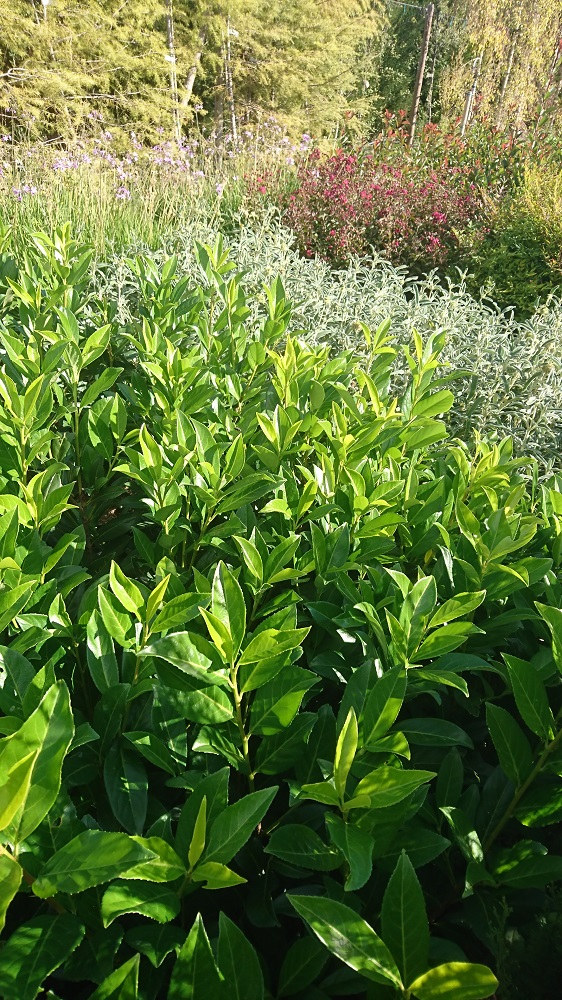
[319,66]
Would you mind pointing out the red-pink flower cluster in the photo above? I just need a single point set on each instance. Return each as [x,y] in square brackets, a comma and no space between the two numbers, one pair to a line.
[345,203]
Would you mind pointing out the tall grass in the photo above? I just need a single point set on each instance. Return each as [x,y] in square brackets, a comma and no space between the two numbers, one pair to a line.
[116,192]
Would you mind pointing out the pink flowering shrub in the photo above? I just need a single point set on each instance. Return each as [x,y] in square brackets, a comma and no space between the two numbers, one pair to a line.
[415,215]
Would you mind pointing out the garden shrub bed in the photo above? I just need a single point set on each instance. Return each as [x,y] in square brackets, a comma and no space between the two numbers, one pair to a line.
[267,630]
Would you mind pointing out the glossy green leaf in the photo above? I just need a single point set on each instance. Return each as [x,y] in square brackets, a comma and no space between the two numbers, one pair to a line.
[164,864]
[530,696]
[252,558]
[13,601]
[356,845]
[46,734]
[197,845]
[90,859]
[235,824]
[14,788]
[383,705]
[216,875]
[277,702]
[346,748]
[101,384]
[271,642]
[456,607]
[122,984]
[445,639]
[228,605]
[348,937]
[11,875]
[387,785]
[100,654]
[147,898]
[455,981]
[179,650]
[179,610]
[117,622]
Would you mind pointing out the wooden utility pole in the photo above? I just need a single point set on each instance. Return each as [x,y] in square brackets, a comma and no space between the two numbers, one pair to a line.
[476,67]
[419,75]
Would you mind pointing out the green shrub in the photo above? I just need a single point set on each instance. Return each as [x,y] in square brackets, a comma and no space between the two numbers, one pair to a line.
[266,631]
[519,263]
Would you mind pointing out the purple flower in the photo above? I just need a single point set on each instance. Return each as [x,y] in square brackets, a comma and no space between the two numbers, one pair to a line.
[123,193]
[220,188]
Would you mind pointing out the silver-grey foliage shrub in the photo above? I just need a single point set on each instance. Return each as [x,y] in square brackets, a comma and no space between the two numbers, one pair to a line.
[514,385]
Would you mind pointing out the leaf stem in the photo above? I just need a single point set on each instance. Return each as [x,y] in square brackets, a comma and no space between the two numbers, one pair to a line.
[519,793]
[244,738]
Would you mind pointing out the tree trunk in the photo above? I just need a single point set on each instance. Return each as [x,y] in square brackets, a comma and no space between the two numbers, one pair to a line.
[476,67]
[191,74]
[419,75]
[431,75]
[171,58]
[506,80]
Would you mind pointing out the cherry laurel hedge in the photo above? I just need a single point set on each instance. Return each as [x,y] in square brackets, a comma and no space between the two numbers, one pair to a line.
[280,692]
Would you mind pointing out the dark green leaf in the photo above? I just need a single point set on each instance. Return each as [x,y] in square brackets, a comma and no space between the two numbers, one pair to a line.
[126,785]
[195,975]
[156,942]
[34,950]
[301,846]
[238,962]
[404,923]
[512,746]
[434,733]
[302,964]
